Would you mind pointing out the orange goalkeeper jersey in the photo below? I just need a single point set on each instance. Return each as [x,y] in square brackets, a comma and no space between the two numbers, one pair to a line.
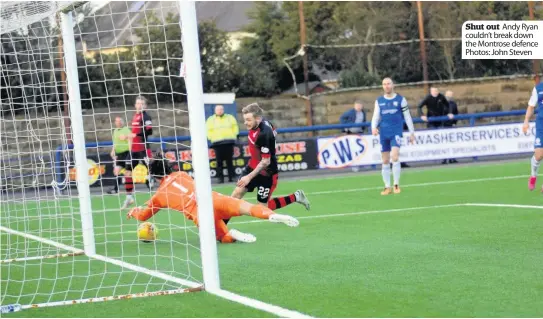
[177,192]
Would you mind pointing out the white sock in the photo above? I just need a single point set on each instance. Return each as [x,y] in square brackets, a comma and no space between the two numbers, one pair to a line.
[396,172]
[129,196]
[535,166]
[385,171]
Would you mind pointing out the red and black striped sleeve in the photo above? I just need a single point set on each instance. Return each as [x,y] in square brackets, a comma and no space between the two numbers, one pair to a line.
[147,126]
[265,143]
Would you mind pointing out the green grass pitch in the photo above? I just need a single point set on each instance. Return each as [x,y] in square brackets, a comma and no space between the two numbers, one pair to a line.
[421,253]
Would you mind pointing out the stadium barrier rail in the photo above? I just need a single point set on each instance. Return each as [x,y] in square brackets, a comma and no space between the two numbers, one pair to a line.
[303,147]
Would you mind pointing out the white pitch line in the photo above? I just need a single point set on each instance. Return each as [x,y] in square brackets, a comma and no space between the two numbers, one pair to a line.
[504,205]
[381,187]
[341,215]
[369,189]
[255,221]
[461,181]
[287,313]
[253,303]
[257,304]
[335,215]
[394,210]
[411,171]
[123,264]
[398,210]
[40,239]
[346,175]
[350,190]
[273,309]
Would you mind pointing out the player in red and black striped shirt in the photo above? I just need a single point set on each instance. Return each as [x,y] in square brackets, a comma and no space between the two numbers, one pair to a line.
[262,172]
[142,128]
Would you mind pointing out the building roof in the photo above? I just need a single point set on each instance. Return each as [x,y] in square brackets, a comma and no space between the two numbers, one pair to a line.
[301,88]
[111,24]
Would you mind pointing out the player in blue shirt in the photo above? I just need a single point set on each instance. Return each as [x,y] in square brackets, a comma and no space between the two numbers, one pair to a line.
[536,101]
[390,111]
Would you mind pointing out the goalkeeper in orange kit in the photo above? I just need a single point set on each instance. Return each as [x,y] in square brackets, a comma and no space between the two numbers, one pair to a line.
[177,192]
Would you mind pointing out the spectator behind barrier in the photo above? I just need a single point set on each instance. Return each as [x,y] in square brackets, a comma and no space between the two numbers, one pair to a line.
[222,132]
[453,109]
[436,105]
[356,115]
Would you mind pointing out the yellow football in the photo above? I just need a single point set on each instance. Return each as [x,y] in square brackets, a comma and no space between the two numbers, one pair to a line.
[147,232]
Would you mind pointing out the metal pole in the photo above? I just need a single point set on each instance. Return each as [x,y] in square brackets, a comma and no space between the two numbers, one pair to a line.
[195,101]
[309,109]
[64,97]
[536,69]
[80,153]
[422,47]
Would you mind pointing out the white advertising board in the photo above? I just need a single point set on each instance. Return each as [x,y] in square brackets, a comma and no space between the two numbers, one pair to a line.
[357,150]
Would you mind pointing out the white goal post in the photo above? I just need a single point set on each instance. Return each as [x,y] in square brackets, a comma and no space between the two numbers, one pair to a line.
[69,242]
[80,152]
[208,244]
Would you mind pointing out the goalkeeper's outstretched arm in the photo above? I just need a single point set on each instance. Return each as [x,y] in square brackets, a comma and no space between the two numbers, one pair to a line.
[143,213]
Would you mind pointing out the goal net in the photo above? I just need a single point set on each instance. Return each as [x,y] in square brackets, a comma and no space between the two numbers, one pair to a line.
[71,73]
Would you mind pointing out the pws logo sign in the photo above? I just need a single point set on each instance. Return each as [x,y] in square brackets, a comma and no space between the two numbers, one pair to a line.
[341,151]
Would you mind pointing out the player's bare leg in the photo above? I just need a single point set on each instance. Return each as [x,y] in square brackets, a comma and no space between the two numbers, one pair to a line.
[262,212]
[129,186]
[118,180]
[385,172]
[150,182]
[239,192]
[535,162]
[396,168]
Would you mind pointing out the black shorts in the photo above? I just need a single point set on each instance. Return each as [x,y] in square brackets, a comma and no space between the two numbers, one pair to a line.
[123,159]
[135,159]
[265,185]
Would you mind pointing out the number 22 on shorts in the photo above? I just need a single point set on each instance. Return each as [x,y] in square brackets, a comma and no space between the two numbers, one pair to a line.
[263,192]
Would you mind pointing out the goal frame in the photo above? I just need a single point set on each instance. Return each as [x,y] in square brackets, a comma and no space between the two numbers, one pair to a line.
[196,112]
[195,101]
[78,136]
[198,134]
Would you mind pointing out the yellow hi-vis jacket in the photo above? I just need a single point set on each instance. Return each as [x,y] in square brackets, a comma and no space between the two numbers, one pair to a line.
[222,129]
